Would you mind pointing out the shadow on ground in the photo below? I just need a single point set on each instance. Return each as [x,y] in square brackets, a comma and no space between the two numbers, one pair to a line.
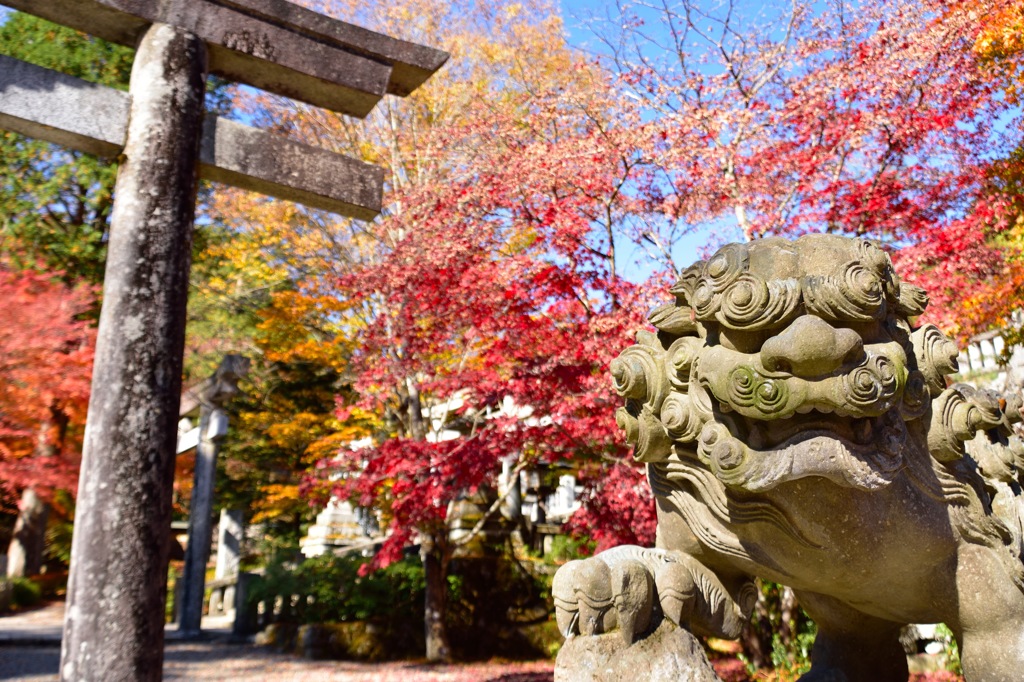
[29,663]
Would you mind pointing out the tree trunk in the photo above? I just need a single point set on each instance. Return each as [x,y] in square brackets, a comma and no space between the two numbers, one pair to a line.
[788,608]
[417,427]
[433,553]
[756,635]
[25,553]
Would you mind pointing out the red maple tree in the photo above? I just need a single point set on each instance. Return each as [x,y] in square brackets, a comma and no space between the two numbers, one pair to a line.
[46,352]
[874,119]
[487,339]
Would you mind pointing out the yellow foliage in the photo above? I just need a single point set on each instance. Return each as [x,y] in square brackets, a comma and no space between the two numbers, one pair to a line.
[277,500]
[308,328]
[1001,42]
[294,433]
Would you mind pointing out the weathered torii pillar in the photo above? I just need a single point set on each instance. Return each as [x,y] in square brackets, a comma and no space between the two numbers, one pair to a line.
[114,627]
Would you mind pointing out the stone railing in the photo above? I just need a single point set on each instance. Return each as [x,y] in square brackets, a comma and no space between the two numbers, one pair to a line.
[228,599]
[982,353]
[221,601]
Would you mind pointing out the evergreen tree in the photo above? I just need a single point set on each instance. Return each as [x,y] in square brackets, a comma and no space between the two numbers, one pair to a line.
[56,203]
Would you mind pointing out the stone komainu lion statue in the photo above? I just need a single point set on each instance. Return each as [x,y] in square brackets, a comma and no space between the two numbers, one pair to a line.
[797,428]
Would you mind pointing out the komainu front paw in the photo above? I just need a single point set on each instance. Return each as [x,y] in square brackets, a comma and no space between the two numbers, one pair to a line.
[626,588]
[613,589]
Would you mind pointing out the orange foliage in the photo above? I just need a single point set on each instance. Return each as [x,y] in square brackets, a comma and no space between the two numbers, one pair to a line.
[46,355]
[1001,41]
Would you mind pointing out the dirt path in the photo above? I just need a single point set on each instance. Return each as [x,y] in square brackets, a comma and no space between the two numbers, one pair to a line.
[30,652]
[247,663]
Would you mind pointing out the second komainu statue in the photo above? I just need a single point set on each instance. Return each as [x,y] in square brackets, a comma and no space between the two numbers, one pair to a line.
[797,428]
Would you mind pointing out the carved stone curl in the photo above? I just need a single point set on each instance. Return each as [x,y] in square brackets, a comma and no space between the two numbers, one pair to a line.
[797,429]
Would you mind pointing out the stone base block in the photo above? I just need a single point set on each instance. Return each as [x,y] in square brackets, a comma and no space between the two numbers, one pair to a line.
[667,654]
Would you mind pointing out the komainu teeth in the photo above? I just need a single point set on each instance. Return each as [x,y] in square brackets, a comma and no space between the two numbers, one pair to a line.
[755,436]
[862,430]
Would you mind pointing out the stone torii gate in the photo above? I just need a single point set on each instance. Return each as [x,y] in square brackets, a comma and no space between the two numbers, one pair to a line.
[114,627]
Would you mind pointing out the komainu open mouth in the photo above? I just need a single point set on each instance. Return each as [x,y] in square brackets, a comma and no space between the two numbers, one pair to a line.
[865,453]
[766,435]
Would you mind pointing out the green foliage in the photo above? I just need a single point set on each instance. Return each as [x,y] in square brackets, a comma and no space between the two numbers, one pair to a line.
[792,655]
[58,541]
[172,578]
[282,410]
[779,635]
[52,46]
[60,527]
[566,548]
[26,592]
[330,589]
[494,606]
[223,300]
[944,635]
[57,203]
[498,608]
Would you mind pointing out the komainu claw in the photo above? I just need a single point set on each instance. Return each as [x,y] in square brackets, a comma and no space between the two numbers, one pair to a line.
[564,595]
[676,592]
[619,589]
[634,597]
[595,598]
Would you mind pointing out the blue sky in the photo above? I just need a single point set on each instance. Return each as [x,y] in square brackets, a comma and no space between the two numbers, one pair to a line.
[582,18]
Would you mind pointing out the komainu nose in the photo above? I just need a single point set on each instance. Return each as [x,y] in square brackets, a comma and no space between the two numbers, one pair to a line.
[810,347]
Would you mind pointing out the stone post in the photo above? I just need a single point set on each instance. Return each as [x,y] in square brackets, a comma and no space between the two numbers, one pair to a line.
[213,420]
[123,516]
[200,520]
[229,543]
[246,612]
[512,509]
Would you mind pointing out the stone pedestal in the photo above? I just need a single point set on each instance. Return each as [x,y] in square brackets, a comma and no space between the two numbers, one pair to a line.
[669,654]
[336,527]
